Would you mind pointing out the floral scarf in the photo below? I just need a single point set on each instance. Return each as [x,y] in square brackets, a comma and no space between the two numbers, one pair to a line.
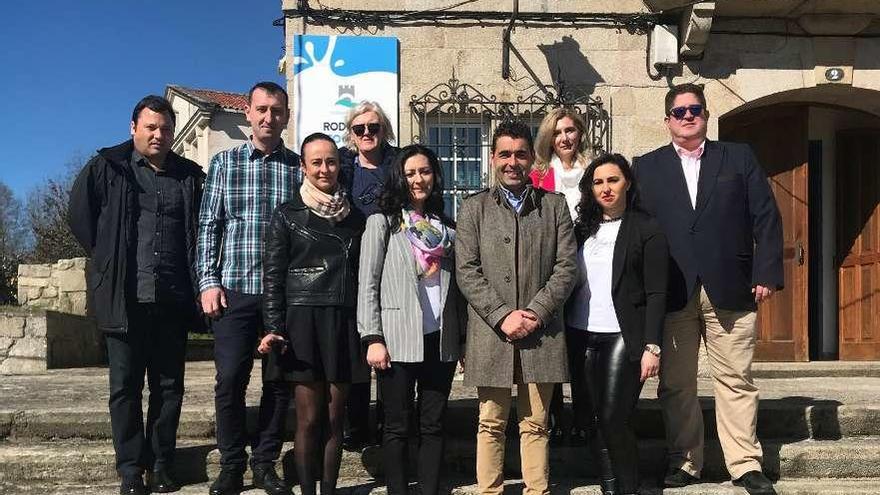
[429,238]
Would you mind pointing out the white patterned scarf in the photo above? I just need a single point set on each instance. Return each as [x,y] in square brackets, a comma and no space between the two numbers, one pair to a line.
[334,207]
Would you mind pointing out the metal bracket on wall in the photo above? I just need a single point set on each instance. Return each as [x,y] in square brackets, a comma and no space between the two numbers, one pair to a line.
[694,29]
[506,45]
[507,48]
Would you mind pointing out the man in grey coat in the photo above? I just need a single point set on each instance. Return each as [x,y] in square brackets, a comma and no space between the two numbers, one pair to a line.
[515,257]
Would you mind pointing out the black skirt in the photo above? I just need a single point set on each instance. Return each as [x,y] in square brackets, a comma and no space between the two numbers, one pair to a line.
[324,347]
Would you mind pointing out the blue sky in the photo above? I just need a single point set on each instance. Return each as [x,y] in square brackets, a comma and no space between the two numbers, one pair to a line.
[73,70]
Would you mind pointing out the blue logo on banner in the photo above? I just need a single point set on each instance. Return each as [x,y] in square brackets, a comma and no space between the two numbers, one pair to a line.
[351,55]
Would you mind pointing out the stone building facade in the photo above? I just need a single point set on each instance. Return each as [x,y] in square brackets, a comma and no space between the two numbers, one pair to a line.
[797,79]
[208,121]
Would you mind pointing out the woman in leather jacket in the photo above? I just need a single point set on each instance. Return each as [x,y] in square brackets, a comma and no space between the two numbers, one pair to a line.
[310,279]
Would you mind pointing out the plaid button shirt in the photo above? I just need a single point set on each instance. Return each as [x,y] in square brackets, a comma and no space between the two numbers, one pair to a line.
[242,190]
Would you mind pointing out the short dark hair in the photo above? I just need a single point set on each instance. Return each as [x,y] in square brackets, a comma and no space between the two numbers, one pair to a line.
[680,89]
[515,129]
[315,136]
[156,104]
[269,87]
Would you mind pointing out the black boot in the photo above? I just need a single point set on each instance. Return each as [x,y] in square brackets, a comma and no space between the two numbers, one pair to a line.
[609,486]
[229,482]
[266,478]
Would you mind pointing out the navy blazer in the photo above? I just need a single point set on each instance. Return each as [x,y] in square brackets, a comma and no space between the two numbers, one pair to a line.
[731,241]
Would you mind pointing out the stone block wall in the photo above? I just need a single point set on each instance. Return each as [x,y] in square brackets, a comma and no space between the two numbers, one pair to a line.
[59,286]
[22,342]
[50,329]
[34,340]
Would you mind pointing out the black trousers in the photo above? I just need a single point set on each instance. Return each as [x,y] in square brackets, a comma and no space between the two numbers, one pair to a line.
[156,344]
[581,409]
[357,413]
[432,379]
[612,381]
[235,338]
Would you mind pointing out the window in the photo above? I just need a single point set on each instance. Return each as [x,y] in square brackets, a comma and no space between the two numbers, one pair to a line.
[456,120]
[462,151]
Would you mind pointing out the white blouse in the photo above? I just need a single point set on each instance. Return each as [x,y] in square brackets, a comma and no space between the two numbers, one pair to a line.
[429,300]
[593,307]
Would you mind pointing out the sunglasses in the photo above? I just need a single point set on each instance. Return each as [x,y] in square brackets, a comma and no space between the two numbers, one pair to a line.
[680,112]
[361,129]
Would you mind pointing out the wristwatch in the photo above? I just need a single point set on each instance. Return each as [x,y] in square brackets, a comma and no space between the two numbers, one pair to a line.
[653,349]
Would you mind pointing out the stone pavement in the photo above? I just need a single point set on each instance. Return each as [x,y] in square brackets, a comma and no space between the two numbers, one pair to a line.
[819,423]
[512,487]
[86,389]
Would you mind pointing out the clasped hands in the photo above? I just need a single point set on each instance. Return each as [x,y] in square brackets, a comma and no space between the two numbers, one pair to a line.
[519,323]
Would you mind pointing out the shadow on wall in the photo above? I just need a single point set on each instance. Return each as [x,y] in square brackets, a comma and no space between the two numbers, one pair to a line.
[569,67]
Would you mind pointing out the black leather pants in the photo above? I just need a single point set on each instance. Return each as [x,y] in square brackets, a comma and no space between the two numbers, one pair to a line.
[612,382]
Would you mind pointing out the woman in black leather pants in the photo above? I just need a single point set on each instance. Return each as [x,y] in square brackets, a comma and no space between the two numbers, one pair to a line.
[619,306]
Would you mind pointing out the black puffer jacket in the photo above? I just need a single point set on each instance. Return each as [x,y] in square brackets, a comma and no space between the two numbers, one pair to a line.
[308,261]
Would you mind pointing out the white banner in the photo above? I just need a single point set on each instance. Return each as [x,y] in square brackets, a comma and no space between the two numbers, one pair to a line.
[334,73]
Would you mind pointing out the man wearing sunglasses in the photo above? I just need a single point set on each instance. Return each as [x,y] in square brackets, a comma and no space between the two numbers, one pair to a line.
[715,205]
[364,162]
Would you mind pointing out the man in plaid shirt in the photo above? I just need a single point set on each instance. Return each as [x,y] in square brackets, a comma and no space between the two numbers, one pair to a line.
[244,186]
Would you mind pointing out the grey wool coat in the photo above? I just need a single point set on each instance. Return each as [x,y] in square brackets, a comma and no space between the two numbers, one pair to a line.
[507,261]
[388,302]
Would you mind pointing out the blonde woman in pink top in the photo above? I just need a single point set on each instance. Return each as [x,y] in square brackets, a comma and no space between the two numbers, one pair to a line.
[561,156]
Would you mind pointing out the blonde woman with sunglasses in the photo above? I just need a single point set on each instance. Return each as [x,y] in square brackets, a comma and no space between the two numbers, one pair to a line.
[364,161]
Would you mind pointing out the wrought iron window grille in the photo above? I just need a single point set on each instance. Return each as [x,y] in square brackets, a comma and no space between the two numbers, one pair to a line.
[457,120]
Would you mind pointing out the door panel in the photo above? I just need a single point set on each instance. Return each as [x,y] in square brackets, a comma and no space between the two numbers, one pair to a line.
[778,136]
[858,243]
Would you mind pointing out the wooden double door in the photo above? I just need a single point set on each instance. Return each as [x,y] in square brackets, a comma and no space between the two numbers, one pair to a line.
[778,136]
[780,139]
[858,243]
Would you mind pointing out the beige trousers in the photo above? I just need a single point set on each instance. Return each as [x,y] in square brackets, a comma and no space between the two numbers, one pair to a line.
[532,402]
[730,345]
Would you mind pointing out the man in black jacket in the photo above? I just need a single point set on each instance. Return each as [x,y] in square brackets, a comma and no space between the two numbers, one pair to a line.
[716,208]
[134,209]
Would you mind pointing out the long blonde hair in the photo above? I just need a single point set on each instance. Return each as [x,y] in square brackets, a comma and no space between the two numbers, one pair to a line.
[362,108]
[544,142]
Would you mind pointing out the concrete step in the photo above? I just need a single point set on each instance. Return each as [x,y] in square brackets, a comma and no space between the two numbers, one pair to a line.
[465,487]
[828,369]
[93,462]
[792,418]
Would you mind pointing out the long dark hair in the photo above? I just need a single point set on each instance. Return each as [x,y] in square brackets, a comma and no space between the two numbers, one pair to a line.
[589,212]
[395,196]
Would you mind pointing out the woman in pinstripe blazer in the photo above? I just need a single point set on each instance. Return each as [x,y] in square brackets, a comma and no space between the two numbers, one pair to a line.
[410,312]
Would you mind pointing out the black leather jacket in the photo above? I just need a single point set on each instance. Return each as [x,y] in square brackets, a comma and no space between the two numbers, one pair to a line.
[308,262]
